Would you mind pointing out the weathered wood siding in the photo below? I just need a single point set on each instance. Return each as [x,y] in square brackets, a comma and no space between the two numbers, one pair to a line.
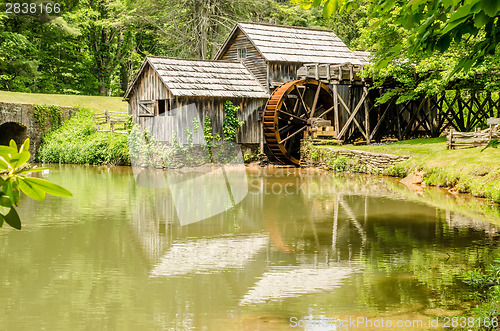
[254,61]
[185,109]
[282,72]
[149,87]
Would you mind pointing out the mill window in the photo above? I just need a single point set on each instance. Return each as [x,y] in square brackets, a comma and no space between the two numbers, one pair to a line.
[242,53]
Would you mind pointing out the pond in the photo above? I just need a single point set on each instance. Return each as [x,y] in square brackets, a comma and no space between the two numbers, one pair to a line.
[294,246]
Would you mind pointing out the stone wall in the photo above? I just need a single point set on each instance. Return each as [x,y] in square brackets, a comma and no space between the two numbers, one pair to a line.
[331,158]
[18,122]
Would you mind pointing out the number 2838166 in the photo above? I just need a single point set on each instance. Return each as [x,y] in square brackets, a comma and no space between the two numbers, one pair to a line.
[32,8]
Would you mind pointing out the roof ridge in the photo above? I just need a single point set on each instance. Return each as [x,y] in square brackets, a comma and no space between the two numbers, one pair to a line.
[195,60]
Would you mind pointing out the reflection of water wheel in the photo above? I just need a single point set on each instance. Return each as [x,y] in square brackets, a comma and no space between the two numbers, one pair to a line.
[287,112]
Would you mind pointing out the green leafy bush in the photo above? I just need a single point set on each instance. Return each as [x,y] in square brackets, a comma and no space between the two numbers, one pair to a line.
[340,163]
[78,141]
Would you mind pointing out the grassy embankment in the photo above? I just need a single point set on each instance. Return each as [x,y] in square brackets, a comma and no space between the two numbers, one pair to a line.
[94,103]
[466,170]
[77,139]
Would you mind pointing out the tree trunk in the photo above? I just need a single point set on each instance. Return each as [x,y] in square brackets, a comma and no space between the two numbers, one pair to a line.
[102,86]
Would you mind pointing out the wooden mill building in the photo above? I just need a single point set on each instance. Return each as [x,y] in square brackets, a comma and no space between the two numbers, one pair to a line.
[252,62]
[275,53]
[167,94]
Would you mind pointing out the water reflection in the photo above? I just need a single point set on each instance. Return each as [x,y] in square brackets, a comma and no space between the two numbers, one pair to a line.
[116,255]
[209,255]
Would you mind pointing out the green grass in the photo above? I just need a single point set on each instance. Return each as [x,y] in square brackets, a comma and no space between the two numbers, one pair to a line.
[78,141]
[467,170]
[94,103]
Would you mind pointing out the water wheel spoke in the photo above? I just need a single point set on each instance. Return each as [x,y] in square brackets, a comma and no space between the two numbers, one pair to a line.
[291,115]
[302,100]
[293,134]
[285,129]
[326,112]
[296,106]
[315,102]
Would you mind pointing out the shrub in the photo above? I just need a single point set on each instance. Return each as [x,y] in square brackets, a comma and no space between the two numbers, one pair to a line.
[340,163]
[78,141]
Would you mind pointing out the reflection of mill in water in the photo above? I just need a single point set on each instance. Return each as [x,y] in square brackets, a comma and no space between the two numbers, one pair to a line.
[307,241]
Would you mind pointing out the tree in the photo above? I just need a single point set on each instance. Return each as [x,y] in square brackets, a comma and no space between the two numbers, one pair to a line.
[13,181]
[432,25]
[106,31]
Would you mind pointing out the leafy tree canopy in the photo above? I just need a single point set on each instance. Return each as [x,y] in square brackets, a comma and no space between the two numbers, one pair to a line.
[427,46]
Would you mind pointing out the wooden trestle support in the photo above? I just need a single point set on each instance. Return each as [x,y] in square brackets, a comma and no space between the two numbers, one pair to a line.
[338,93]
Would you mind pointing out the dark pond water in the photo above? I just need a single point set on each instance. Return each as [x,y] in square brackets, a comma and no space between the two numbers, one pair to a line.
[296,246]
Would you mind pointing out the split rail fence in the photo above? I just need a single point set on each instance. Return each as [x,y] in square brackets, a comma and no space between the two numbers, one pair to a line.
[115,120]
[477,138]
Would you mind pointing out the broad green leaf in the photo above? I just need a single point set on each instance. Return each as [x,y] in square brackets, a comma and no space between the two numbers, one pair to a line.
[48,187]
[4,210]
[5,204]
[453,24]
[461,13]
[330,7]
[13,144]
[31,190]
[27,171]
[4,165]
[12,218]
[10,191]
[316,3]
[25,146]
[19,159]
[490,7]
[443,43]
[1,220]
[6,150]
[480,19]
[5,201]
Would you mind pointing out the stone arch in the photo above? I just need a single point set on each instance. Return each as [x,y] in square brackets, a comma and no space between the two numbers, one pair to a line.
[12,130]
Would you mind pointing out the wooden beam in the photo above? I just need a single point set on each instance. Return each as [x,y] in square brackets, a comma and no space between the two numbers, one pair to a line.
[302,99]
[336,107]
[355,120]
[367,115]
[350,119]
[382,118]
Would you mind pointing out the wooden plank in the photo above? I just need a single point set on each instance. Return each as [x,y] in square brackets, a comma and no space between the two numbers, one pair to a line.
[336,107]
[367,116]
[493,121]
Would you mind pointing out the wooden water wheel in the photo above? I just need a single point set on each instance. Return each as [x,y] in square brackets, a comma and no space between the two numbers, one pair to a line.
[288,112]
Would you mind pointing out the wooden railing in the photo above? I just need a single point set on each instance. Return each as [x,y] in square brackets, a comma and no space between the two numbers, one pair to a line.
[476,138]
[116,120]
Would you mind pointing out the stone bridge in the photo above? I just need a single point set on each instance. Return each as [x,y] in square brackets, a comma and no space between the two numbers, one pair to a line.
[18,122]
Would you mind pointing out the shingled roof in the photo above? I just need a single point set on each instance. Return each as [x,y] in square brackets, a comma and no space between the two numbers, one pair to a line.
[294,44]
[199,78]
